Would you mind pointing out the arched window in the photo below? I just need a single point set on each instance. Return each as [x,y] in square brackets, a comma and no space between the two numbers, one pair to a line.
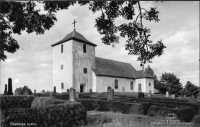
[131,85]
[149,84]
[139,87]
[116,84]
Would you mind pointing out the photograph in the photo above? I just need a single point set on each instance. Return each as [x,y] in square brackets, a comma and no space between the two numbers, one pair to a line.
[99,63]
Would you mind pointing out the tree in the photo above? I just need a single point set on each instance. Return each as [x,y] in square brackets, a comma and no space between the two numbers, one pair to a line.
[19,16]
[26,89]
[43,91]
[190,89]
[169,82]
[151,72]
[20,90]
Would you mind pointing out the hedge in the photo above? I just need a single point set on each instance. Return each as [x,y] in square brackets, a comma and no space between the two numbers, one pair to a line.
[62,115]
[44,101]
[21,101]
[104,105]
[185,114]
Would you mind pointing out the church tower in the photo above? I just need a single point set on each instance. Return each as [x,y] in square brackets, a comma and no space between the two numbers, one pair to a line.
[73,61]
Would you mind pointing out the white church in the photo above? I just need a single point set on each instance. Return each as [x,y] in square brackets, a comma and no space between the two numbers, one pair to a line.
[75,65]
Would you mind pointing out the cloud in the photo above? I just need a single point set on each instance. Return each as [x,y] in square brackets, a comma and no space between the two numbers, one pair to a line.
[16,81]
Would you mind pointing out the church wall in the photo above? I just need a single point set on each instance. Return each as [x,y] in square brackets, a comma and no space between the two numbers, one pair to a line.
[65,75]
[148,88]
[94,82]
[143,84]
[83,60]
[103,82]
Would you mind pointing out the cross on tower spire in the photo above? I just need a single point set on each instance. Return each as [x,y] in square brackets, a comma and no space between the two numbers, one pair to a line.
[74,24]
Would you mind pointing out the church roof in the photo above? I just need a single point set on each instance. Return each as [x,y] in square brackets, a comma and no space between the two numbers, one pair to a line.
[105,67]
[76,36]
[143,74]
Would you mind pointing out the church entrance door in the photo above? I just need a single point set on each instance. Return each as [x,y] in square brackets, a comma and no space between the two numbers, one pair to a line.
[82,88]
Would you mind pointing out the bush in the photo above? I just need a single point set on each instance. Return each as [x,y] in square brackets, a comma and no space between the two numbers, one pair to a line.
[44,101]
[62,115]
[19,115]
[104,105]
[21,101]
[63,96]
[183,114]
[196,121]
[41,94]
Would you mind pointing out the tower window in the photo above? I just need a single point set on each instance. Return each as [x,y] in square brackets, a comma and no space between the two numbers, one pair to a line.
[84,48]
[149,84]
[61,67]
[116,84]
[62,48]
[85,70]
[62,85]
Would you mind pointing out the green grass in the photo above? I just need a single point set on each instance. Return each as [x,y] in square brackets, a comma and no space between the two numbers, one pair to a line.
[110,119]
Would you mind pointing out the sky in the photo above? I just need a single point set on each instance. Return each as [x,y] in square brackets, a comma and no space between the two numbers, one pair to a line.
[178,28]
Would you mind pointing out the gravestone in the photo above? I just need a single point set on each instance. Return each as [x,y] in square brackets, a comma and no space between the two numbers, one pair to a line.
[123,90]
[5,91]
[90,90]
[139,95]
[34,90]
[67,90]
[167,94]
[72,95]
[77,96]
[173,96]
[54,89]
[110,94]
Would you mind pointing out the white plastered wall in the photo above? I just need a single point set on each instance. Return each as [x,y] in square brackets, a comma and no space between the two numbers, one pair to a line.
[65,59]
[102,83]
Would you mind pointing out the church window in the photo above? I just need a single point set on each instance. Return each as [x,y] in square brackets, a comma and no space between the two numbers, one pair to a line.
[84,48]
[139,87]
[131,85]
[62,85]
[85,70]
[61,67]
[116,84]
[149,84]
[62,48]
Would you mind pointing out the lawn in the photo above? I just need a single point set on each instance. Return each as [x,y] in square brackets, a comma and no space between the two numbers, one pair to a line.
[110,119]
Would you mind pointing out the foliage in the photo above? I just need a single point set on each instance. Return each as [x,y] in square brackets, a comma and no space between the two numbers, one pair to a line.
[23,16]
[190,89]
[185,114]
[20,89]
[196,121]
[26,89]
[114,106]
[61,115]
[169,82]
[8,102]
[43,91]
[44,101]
[151,72]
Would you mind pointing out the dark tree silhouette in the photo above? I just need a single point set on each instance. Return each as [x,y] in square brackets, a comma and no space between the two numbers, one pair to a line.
[23,16]
[169,82]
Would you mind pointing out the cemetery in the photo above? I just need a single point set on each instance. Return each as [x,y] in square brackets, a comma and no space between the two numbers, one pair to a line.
[70,108]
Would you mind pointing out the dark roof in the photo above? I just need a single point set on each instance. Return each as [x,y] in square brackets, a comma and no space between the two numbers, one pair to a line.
[143,74]
[76,36]
[105,67]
